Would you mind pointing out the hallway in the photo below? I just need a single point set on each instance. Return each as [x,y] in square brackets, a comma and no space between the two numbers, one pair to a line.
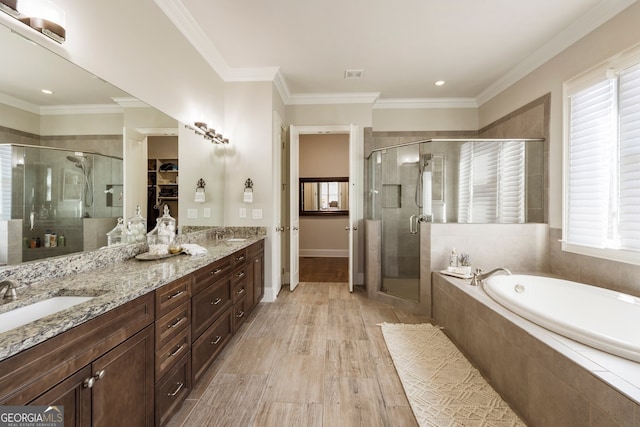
[315,357]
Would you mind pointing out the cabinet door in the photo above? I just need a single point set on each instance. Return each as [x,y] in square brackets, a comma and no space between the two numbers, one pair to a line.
[73,396]
[257,264]
[123,390]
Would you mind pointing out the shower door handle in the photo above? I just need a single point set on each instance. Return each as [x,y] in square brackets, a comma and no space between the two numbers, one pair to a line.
[412,220]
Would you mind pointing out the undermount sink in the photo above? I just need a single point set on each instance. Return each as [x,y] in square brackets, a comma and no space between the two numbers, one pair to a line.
[236,239]
[30,313]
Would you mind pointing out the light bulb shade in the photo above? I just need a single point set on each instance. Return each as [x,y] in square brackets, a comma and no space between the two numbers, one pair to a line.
[44,16]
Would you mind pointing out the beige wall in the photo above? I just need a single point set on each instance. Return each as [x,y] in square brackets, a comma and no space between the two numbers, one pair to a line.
[324,155]
[425,119]
[616,35]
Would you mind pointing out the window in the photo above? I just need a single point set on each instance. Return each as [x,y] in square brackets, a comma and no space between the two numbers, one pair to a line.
[602,161]
[491,182]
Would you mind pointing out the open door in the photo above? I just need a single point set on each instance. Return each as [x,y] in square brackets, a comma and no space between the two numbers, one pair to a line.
[135,172]
[352,228]
[294,202]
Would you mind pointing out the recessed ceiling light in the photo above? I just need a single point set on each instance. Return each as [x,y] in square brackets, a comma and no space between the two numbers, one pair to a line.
[47,91]
[353,74]
[439,83]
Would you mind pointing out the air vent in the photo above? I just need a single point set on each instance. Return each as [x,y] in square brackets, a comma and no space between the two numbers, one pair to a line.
[353,74]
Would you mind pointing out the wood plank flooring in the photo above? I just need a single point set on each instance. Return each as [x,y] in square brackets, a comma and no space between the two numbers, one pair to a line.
[314,357]
[324,269]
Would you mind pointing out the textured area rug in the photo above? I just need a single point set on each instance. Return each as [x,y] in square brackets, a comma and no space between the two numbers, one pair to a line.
[442,386]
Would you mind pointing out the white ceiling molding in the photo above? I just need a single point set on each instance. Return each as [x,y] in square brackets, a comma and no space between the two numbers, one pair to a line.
[129,102]
[158,131]
[597,16]
[184,22]
[282,87]
[333,98]
[415,103]
[67,110]
[19,104]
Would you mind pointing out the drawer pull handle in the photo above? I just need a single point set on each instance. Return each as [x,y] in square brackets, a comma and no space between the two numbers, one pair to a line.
[240,291]
[256,260]
[176,295]
[176,323]
[217,271]
[177,350]
[216,302]
[90,382]
[239,275]
[239,315]
[240,258]
[177,390]
[218,339]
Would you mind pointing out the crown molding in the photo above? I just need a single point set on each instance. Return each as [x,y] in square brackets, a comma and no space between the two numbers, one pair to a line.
[187,25]
[420,103]
[332,98]
[19,104]
[597,16]
[129,102]
[67,110]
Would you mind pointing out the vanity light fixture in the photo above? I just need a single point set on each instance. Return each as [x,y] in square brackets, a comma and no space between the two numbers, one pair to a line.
[210,134]
[41,15]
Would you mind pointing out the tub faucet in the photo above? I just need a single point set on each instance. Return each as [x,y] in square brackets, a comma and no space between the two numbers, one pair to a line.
[9,286]
[479,277]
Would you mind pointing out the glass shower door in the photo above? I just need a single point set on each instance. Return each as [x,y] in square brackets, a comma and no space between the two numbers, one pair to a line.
[398,177]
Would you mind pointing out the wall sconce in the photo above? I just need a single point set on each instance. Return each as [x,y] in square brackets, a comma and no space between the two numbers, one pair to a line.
[210,134]
[248,191]
[41,15]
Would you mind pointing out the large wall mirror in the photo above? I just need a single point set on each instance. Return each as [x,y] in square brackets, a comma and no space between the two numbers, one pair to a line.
[61,153]
[324,196]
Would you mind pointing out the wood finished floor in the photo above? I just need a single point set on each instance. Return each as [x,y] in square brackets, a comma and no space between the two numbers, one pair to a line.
[313,358]
[324,269]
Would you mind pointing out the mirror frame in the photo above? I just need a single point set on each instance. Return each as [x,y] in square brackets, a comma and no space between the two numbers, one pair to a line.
[307,212]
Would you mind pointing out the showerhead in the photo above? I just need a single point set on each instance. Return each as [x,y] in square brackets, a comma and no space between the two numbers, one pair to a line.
[73,159]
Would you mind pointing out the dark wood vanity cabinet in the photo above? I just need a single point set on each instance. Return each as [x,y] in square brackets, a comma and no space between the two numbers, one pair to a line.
[136,364]
[172,347]
[100,370]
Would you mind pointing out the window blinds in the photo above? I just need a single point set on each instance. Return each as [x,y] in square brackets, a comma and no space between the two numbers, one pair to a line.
[491,182]
[5,182]
[591,130]
[629,160]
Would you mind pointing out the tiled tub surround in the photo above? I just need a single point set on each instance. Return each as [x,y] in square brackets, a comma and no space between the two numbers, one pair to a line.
[111,275]
[548,379]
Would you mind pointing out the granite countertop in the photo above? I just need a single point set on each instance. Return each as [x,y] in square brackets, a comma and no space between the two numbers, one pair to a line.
[111,287]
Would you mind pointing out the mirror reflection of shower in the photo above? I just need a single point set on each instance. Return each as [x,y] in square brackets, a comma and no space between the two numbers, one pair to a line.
[82,163]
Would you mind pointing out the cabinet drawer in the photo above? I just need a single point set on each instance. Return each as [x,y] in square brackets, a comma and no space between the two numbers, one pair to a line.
[27,374]
[206,348]
[172,295]
[172,352]
[206,276]
[239,313]
[239,257]
[172,323]
[239,290]
[209,304]
[173,390]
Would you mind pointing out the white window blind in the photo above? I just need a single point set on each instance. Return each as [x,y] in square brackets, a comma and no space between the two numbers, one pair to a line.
[5,182]
[491,182]
[629,161]
[591,136]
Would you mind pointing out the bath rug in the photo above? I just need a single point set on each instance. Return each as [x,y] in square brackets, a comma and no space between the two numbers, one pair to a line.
[442,386]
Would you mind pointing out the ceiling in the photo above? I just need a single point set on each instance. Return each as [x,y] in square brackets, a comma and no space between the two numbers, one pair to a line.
[478,47]
[403,46]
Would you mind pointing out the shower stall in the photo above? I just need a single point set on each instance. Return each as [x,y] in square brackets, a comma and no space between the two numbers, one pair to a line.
[52,192]
[400,197]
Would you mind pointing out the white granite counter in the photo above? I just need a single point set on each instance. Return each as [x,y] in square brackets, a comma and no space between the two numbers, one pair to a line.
[111,286]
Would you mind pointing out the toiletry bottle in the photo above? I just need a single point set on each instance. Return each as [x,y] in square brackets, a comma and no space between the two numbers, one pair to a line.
[54,240]
[38,242]
[47,238]
[453,259]
[61,241]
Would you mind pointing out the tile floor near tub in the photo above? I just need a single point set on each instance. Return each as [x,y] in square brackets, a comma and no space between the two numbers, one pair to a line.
[315,357]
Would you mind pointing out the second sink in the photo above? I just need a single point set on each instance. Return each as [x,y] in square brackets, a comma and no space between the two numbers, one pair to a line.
[30,313]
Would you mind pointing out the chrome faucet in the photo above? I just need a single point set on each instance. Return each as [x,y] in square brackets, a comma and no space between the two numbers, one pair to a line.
[479,277]
[9,286]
